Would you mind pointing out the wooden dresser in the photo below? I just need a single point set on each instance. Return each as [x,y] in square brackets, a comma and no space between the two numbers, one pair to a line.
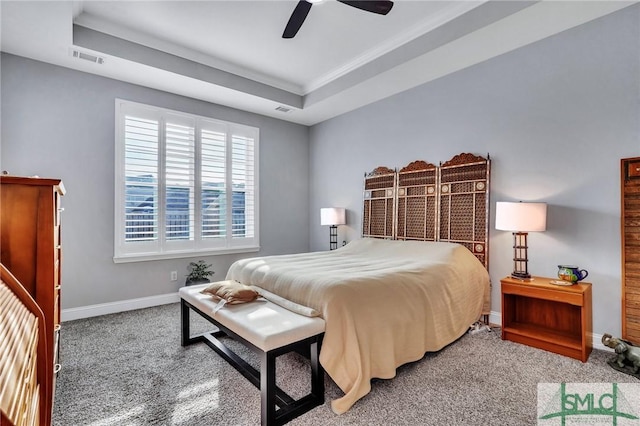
[630,230]
[30,248]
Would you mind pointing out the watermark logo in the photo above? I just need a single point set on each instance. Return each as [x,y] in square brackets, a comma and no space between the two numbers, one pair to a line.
[589,404]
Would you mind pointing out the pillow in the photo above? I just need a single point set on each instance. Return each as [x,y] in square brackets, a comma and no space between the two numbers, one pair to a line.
[231,292]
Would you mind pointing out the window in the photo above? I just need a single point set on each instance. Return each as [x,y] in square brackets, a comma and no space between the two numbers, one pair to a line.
[185,185]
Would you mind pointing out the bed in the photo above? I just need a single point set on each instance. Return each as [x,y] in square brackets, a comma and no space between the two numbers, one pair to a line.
[413,284]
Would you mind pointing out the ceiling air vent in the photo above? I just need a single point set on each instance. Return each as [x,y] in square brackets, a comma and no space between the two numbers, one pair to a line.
[87,57]
[283,109]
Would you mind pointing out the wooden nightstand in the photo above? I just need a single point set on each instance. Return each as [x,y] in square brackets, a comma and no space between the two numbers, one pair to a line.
[547,316]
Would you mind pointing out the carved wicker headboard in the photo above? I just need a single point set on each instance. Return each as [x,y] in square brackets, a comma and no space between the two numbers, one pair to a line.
[426,202]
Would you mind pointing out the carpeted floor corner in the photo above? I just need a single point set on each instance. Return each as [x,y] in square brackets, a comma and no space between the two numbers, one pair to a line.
[129,369]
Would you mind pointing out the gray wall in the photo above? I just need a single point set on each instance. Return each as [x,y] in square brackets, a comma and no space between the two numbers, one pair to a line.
[60,123]
[556,117]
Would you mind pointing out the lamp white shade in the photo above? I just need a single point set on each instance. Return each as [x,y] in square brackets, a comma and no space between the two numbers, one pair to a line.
[521,217]
[332,216]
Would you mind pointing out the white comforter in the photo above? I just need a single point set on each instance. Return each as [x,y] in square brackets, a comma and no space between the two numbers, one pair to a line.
[385,302]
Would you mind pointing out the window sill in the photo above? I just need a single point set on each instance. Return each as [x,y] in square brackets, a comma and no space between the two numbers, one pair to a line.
[143,257]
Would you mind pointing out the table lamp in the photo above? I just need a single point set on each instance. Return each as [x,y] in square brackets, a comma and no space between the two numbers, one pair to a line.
[521,218]
[333,216]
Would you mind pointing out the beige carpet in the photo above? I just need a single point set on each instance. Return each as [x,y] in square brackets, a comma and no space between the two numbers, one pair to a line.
[129,369]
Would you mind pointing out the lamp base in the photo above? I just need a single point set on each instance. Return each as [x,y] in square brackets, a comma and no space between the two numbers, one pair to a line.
[520,275]
[333,237]
[520,258]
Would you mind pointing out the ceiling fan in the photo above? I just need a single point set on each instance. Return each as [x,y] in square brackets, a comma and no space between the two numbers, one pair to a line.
[381,7]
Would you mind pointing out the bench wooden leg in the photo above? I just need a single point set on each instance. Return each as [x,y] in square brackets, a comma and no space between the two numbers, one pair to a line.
[317,373]
[271,395]
[184,323]
[267,388]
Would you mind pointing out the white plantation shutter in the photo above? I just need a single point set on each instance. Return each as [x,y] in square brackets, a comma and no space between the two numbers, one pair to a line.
[140,187]
[214,182]
[185,185]
[179,181]
[243,182]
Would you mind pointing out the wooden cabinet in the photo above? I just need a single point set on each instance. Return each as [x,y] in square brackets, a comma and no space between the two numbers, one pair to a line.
[630,230]
[30,248]
[547,316]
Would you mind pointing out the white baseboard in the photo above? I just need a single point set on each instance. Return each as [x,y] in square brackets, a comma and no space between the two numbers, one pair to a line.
[120,306]
[496,318]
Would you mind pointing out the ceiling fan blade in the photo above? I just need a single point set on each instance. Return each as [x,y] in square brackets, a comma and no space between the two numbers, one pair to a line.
[297,18]
[381,7]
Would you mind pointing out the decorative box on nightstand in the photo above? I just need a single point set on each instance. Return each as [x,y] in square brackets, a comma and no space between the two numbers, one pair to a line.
[547,316]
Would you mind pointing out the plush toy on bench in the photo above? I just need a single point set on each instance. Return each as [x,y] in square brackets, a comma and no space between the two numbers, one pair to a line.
[265,327]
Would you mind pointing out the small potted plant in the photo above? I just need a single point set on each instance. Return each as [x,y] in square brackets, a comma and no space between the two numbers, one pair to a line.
[199,273]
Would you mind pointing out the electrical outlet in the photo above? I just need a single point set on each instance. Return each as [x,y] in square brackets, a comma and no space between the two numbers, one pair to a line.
[174,275]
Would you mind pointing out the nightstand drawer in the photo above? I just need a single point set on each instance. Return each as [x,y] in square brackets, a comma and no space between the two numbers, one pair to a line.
[545,293]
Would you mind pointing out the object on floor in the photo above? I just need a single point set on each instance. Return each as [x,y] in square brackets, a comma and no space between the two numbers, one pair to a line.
[479,327]
[627,359]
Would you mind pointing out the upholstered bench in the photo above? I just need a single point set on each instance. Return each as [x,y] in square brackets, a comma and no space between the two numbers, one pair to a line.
[268,329]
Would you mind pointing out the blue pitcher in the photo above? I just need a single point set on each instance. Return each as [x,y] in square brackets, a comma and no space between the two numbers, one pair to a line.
[571,273]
